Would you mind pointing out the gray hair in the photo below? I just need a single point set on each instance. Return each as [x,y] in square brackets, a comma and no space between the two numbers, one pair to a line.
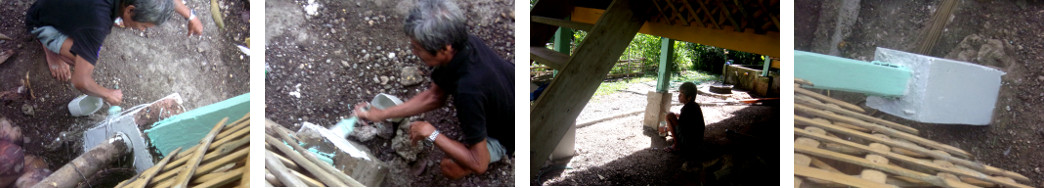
[435,24]
[151,11]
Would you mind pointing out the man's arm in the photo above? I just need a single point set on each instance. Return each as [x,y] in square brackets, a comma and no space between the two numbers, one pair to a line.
[474,159]
[83,81]
[428,100]
[195,27]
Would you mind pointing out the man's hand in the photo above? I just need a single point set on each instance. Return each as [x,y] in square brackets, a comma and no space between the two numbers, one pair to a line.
[115,98]
[368,115]
[195,27]
[420,130]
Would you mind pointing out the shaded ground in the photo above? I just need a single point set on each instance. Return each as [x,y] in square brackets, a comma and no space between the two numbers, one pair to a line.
[320,65]
[1001,34]
[620,151]
[145,65]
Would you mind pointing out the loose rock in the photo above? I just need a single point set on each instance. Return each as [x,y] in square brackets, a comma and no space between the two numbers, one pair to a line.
[411,76]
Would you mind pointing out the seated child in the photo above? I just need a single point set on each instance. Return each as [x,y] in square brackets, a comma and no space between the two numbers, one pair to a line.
[687,127]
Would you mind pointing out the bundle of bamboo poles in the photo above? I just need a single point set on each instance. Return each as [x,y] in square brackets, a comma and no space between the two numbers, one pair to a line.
[219,160]
[288,164]
[837,144]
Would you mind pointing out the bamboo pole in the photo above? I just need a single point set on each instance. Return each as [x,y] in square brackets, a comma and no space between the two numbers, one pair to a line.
[884,129]
[184,178]
[280,172]
[826,99]
[860,116]
[311,157]
[321,174]
[911,147]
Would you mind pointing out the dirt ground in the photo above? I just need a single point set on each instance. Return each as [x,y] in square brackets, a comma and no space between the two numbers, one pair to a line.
[620,151]
[1003,34]
[145,65]
[325,56]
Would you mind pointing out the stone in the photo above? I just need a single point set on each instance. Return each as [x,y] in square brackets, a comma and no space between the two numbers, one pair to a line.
[30,178]
[28,110]
[9,132]
[11,161]
[411,76]
[350,157]
[404,148]
[364,133]
[384,80]
[993,53]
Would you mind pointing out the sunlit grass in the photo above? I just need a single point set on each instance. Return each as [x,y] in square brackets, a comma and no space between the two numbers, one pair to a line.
[610,87]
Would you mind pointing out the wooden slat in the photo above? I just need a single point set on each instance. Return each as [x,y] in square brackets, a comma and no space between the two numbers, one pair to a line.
[313,168]
[905,159]
[312,158]
[561,23]
[826,99]
[934,180]
[915,148]
[184,177]
[886,130]
[850,115]
[568,93]
[280,172]
[836,177]
[551,58]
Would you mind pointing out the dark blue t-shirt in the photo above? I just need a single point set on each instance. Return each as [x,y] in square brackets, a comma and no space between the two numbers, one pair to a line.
[482,86]
[690,127]
[85,22]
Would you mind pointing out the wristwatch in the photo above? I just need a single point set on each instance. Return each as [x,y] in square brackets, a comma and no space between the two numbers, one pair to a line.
[192,15]
[433,136]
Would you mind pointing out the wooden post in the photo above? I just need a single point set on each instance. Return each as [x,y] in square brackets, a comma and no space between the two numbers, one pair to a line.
[569,92]
[663,79]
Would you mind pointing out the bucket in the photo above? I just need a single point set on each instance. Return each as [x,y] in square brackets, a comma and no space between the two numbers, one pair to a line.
[84,105]
[384,101]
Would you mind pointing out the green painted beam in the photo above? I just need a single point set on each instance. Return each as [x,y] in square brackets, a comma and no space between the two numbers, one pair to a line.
[663,76]
[186,129]
[835,73]
[767,66]
[563,38]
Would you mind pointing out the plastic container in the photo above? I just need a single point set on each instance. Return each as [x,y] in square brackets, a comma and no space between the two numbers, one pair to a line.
[384,101]
[85,105]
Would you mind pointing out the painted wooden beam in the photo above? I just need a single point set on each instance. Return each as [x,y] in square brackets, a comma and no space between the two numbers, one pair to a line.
[561,23]
[748,41]
[548,57]
[836,73]
[569,92]
[663,78]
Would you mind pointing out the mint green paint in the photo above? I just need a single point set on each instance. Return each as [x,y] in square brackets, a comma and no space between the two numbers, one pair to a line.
[345,127]
[563,38]
[186,129]
[835,73]
[765,68]
[323,156]
[663,78]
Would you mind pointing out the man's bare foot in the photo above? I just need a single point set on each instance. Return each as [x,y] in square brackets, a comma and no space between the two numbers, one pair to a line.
[59,68]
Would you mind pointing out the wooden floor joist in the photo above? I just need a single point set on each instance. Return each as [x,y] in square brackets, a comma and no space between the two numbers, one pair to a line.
[556,110]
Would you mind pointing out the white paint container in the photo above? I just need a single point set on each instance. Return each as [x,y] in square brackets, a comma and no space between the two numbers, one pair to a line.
[383,101]
[84,105]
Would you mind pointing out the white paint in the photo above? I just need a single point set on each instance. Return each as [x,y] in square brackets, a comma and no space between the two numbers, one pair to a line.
[312,8]
[338,142]
[941,90]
